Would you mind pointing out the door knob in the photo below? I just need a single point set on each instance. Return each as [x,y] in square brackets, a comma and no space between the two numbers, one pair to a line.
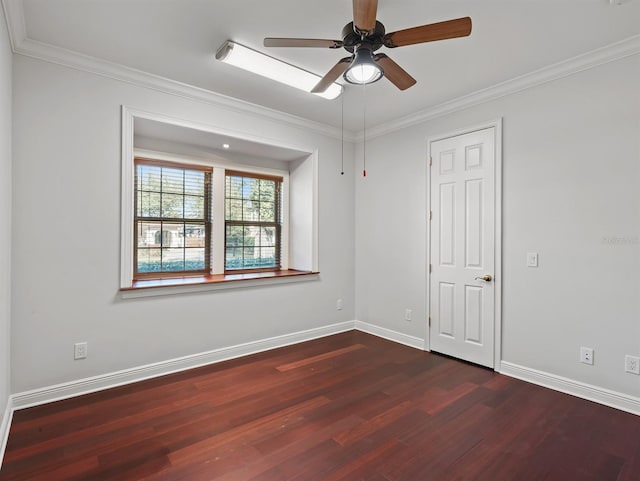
[486,278]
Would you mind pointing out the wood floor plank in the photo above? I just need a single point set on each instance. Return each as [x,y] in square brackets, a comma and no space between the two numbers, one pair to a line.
[350,407]
[319,357]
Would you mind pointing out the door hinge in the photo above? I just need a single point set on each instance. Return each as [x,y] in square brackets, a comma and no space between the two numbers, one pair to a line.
[429,321]
[430,215]
[429,268]
[430,161]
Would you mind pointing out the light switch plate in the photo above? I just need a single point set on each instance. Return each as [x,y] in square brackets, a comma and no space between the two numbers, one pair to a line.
[532,259]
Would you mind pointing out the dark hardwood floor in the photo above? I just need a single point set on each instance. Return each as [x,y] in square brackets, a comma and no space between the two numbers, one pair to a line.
[349,407]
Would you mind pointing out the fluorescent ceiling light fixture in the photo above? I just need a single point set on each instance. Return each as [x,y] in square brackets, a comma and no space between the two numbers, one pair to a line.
[261,64]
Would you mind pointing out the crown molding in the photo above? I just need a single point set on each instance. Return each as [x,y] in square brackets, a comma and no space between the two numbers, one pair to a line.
[86,63]
[22,45]
[595,58]
[14,16]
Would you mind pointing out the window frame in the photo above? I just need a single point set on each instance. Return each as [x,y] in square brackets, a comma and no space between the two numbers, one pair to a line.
[217,216]
[277,224]
[206,221]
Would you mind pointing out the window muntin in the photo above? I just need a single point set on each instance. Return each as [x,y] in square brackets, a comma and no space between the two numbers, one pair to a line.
[253,225]
[172,225]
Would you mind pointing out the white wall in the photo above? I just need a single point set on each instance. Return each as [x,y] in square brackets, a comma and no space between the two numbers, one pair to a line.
[67,237]
[571,177]
[5,209]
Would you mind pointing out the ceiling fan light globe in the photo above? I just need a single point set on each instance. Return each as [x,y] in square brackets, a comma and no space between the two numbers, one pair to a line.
[363,73]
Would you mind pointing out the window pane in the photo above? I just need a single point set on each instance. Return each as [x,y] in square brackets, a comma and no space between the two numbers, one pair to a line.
[194,235]
[234,187]
[172,205]
[250,187]
[148,204]
[250,234]
[194,259]
[172,235]
[267,211]
[267,190]
[267,257]
[234,209]
[251,257]
[172,260]
[193,207]
[147,234]
[149,178]
[194,182]
[233,258]
[267,236]
[149,260]
[172,180]
[250,210]
[234,236]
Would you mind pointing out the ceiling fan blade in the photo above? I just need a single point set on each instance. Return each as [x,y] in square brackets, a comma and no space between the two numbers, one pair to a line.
[394,72]
[302,42]
[332,75]
[460,27]
[364,14]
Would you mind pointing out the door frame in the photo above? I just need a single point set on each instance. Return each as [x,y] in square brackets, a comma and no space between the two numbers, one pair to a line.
[497,125]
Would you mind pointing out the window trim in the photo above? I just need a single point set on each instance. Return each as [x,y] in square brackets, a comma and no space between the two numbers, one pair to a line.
[305,253]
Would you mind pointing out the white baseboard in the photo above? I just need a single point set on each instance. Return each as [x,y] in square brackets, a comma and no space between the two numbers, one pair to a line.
[127,376]
[411,341]
[4,428]
[98,383]
[614,399]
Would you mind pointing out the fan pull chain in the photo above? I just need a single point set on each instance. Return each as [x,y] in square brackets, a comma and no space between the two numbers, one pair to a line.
[364,131]
[342,126]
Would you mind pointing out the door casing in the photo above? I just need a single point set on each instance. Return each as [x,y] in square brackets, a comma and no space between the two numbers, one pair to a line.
[497,125]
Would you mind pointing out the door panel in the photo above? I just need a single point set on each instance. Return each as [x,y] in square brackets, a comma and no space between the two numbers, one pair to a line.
[462,177]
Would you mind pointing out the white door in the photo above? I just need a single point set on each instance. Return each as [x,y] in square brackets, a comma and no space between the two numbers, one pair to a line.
[462,300]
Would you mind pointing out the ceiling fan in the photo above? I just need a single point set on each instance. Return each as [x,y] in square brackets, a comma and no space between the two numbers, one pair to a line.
[362,37]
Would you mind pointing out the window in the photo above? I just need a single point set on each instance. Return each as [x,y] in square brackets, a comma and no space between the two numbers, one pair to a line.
[172,226]
[174,229]
[173,236]
[253,227]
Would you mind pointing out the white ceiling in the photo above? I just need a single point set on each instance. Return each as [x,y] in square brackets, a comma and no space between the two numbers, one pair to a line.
[177,39]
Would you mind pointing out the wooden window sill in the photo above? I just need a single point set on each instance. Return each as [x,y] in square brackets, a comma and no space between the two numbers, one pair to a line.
[177,285]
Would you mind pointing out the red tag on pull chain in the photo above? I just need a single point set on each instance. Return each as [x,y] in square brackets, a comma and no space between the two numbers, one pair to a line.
[364,173]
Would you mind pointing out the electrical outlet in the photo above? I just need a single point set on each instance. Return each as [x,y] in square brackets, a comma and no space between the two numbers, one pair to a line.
[80,350]
[339,305]
[532,259]
[632,364]
[586,355]
[407,314]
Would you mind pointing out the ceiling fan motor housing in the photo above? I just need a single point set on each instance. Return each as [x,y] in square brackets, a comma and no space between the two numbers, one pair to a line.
[352,37]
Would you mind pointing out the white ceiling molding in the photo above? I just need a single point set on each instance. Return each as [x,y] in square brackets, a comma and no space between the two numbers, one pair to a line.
[14,14]
[610,53]
[78,61]
[30,48]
